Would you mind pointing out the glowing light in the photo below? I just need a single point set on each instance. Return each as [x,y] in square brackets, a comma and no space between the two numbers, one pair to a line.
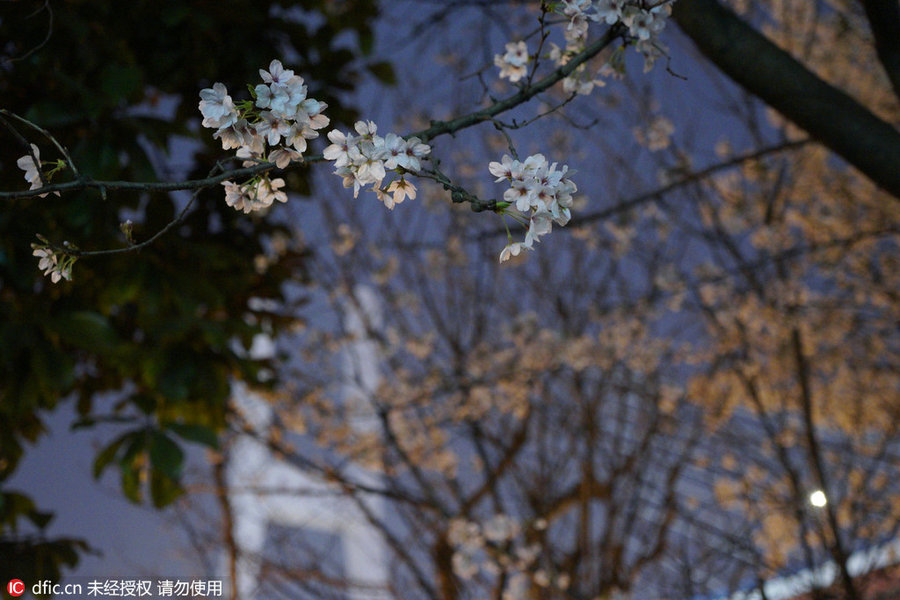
[818,498]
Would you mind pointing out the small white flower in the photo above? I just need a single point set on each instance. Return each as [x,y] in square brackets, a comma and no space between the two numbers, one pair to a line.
[512,63]
[520,194]
[48,258]
[276,73]
[272,127]
[639,22]
[235,135]
[395,149]
[502,170]
[540,224]
[402,189]
[237,196]
[268,190]
[384,198]
[415,150]
[32,169]
[217,107]
[365,128]
[610,10]
[339,149]
[283,156]
[511,250]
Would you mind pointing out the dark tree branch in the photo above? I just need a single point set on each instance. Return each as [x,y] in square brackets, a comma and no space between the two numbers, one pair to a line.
[828,114]
[84,183]
[884,20]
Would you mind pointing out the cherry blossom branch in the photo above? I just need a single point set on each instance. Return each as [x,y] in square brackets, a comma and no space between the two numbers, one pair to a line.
[436,129]
[231,122]
[458,194]
[516,125]
[524,94]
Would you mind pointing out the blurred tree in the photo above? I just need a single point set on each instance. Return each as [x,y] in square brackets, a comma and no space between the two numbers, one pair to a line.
[643,406]
[646,408]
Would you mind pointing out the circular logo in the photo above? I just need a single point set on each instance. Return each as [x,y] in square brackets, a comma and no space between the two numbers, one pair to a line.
[15,587]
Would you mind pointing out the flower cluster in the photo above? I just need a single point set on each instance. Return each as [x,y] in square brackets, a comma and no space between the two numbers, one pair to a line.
[273,127]
[540,188]
[644,22]
[512,63]
[365,158]
[255,194]
[33,169]
[496,547]
[56,264]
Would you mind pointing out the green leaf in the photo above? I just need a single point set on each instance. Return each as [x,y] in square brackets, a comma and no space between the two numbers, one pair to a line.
[384,72]
[195,433]
[86,329]
[107,455]
[174,382]
[40,519]
[131,484]
[119,82]
[366,41]
[163,489]
[51,114]
[12,505]
[166,456]
[137,442]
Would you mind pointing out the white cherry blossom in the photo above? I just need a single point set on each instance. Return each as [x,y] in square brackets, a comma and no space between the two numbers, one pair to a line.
[217,107]
[32,169]
[55,265]
[402,189]
[512,62]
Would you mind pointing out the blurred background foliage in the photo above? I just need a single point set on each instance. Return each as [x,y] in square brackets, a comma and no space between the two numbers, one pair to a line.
[164,328]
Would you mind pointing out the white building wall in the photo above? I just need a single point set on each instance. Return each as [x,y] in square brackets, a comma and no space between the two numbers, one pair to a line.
[306,501]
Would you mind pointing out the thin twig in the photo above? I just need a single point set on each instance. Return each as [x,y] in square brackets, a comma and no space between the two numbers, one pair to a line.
[168,227]
[46,37]
[49,136]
